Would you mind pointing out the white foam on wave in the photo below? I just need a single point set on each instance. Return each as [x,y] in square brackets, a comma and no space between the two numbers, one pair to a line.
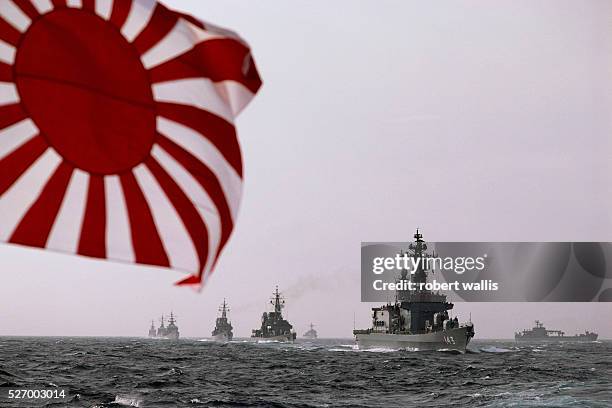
[443,350]
[127,400]
[381,350]
[493,349]
[345,347]
[355,348]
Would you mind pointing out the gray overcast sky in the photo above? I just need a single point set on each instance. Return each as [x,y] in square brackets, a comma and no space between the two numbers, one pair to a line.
[474,121]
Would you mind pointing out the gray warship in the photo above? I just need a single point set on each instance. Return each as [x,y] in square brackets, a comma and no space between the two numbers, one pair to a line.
[539,333]
[223,327]
[171,332]
[311,334]
[273,326]
[418,319]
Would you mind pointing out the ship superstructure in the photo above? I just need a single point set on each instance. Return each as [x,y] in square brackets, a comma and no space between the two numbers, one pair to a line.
[223,327]
[165,332]
[311,334]
[417,319]
[539,333]
[273,325]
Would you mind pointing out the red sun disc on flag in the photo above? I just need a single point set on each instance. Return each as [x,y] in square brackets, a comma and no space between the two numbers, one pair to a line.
[116,131]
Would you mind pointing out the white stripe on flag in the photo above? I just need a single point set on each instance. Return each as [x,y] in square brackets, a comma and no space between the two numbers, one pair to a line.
[43,6]
[104,8]
[185,180]
[180,39]
[8,93]
[14,16]
[198,92]
[138,18]
[118,233]
[66,232]
[198,196]
[74,3]
[174,236]
[201,148]
[18,199]
[7,53]
[16,135]
[237,95]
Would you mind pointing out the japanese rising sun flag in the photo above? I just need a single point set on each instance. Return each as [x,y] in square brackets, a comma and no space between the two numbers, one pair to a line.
[116,131]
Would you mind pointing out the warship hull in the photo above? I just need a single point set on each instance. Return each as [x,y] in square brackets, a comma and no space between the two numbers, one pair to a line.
[455,339]
[168,337]
[557,339]
[287,338]
[222,337]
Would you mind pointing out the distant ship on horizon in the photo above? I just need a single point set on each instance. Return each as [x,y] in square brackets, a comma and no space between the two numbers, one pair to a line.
[311,334]
[273,326]
[540,333]
[170,332]
[223,327]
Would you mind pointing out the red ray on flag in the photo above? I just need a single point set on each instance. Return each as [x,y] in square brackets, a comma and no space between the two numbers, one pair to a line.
[117,138]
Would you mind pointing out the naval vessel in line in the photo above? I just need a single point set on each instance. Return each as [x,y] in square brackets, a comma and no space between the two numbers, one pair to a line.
[310,334]
[223,327]
[539,333]
[170,332]
[273,326]
[417,320]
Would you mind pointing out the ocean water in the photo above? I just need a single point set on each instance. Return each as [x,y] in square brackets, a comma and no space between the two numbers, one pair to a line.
[116,372]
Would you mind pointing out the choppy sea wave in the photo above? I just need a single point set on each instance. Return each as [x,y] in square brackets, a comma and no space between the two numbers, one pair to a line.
[112,372]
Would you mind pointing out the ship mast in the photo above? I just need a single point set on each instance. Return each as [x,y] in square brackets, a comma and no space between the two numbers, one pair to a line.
[224,309]
[418,249]
[277,301]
